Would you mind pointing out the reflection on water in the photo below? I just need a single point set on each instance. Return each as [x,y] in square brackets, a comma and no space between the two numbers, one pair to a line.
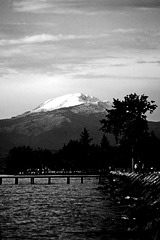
[57,211]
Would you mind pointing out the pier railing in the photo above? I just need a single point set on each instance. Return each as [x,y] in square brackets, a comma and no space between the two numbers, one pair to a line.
[68,177]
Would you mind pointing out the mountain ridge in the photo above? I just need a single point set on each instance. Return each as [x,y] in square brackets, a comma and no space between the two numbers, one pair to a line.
[69,100]
[53,128]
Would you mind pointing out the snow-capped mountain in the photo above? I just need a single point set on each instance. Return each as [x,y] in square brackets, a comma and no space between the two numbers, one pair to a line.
[55,122]
[70,100]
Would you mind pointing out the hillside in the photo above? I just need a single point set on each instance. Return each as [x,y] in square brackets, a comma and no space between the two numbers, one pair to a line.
[57,121]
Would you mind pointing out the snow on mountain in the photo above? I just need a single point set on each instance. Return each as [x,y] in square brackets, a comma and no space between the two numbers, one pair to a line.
[66,101]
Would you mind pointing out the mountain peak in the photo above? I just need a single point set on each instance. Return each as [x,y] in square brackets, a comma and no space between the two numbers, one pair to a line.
[65,101]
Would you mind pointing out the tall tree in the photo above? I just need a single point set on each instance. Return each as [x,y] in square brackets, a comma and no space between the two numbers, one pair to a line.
[105,153]
[85,139]
[85,145]
[127,120]
[104,144]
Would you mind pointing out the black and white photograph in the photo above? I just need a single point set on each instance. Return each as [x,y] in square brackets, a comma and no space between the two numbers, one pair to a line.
[79,119]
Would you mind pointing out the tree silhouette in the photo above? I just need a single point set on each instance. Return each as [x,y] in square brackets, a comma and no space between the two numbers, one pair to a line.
[127,120]
[71,155]
[104,144]
[105,153]
[25,159]
[85,139]
[19,159]
[85,146]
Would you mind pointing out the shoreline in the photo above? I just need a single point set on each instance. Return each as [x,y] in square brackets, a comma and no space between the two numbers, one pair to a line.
[139,195]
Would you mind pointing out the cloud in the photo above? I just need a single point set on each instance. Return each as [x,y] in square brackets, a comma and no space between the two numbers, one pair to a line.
[148,62]
[80,6]
[48,38]
[28,40]
[31,5]
[124,30]
[46,6]
[126,39]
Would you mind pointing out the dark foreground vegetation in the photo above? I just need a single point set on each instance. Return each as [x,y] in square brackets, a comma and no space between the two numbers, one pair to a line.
[81,156]
[77,156]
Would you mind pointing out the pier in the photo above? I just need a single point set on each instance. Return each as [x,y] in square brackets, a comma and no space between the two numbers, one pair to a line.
[68,177]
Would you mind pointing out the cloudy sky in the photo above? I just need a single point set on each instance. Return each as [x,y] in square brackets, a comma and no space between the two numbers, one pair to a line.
[105,48]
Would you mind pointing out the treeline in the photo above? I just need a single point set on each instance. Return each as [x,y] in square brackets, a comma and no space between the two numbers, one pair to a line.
[25,160]
[76,156]
[83,156]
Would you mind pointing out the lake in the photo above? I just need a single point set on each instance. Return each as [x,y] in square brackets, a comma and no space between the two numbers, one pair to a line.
[58,211]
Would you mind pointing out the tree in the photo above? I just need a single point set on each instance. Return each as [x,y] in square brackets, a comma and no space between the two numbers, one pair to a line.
[24,159]
[150,152]
[127,120]
[71,154]
[104,144]
[19,159]
[85,139]
[85,147]
[105,153]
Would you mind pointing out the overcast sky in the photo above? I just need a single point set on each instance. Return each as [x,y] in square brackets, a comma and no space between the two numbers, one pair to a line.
[105,48]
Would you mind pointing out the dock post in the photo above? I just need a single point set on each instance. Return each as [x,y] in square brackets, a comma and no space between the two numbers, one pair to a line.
[100,180]
[81,180]
[32,180]
[0,180]
[16,180]
[49,180]
[68,180]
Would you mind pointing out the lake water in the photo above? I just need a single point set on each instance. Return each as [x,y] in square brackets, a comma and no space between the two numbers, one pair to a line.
[58,211]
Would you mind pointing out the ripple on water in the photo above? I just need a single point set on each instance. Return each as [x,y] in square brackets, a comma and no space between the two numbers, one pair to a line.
[56,211]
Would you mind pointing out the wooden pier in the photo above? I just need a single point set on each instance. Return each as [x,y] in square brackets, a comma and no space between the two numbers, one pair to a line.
[68,177]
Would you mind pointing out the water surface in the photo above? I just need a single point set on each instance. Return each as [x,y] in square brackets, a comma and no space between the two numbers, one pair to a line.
[57,211]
